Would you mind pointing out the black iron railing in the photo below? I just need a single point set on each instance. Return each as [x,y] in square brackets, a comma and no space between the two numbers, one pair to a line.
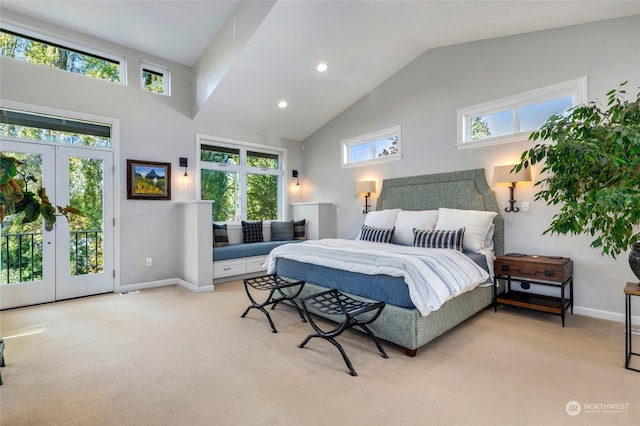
[21,257]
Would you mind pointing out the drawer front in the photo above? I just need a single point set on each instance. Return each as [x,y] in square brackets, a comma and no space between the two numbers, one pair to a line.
[552,271]
[254,264]
[228,268]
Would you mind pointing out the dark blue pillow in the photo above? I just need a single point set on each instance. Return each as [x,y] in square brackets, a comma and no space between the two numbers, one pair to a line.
[252,232]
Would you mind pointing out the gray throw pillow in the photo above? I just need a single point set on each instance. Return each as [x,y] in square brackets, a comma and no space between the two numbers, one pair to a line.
[282,231]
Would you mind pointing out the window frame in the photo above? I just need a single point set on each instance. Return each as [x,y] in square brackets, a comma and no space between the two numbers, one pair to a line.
[242,168]
[576,88]
[371,138]
[22,31]
[156,69]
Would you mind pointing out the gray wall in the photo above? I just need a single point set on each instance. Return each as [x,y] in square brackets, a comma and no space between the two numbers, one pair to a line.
[152,127]
[424,98]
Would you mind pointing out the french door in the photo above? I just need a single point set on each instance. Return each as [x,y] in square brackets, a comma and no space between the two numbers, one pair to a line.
[76,258]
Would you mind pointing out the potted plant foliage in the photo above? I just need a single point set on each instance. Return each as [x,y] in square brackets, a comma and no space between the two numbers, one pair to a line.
[591,169]
[15,196]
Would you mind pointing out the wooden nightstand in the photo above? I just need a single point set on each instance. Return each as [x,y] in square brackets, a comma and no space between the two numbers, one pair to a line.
[552,271]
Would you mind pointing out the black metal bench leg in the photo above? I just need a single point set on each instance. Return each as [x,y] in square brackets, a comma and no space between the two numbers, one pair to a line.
[375,340]
[352,371]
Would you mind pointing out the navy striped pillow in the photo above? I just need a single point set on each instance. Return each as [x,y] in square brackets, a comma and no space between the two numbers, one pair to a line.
[438,238]
[300,229]
[376,235]
[220,236]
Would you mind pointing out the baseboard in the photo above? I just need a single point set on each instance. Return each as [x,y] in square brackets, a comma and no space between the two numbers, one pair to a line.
[162,283]
[606,315]
[195,288]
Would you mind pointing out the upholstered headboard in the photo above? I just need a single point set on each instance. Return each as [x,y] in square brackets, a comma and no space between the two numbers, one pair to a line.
[467,189]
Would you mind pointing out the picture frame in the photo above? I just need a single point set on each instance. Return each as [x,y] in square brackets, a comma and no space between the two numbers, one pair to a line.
[148,180]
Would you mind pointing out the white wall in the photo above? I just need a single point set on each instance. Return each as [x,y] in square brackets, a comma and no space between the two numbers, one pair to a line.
[424,98]
[152,127]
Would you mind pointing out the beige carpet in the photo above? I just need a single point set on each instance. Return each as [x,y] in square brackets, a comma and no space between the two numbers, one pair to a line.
[167,356]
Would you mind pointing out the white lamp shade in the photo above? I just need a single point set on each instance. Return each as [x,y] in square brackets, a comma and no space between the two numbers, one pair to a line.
[502,174]
[365,187]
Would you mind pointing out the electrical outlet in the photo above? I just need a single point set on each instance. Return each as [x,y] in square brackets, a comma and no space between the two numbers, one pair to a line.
[525,207]
[148,261]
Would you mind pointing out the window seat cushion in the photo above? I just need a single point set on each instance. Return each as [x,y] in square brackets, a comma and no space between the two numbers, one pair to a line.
[235,251]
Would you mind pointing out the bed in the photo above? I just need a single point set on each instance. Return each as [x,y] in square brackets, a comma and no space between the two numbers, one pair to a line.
[401,322]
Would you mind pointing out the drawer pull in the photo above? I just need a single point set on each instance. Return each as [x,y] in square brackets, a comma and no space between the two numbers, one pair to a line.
[505,267]
[226,269]
[549,273]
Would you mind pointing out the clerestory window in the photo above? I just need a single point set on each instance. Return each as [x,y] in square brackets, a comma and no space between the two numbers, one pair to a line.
[513,118]
[374,147]
[55,54]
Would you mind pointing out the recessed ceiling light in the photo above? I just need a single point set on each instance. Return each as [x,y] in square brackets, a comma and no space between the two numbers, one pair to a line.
[282,104]
[322,67]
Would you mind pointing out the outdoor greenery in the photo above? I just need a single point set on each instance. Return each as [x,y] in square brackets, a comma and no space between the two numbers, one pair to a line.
[224,187]
[479,128]
[592,170]
[30,50]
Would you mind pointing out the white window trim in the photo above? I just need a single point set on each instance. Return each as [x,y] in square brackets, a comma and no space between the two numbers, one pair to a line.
[201,139]
[166,76]
[576,87]
[45,36]
[345,144]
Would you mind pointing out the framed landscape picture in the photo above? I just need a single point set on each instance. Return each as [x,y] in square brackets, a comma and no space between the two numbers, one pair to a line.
[148,180]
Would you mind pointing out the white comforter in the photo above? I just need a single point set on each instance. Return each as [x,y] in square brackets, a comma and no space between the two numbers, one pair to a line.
[433,275]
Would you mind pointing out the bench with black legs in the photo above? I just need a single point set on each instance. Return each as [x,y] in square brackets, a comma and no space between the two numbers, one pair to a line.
[349,313]
[276,286]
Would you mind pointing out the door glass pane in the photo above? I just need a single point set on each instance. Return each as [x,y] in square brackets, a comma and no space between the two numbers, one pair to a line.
[262,197]
[21,259]
[86,251]
[224,189]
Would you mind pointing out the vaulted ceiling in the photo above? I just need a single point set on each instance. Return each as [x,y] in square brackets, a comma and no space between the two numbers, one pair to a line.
[362,42]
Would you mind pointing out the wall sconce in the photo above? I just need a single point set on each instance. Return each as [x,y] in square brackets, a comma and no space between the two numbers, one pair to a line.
[294,173]
[366,187]
[184,162]
[503,174]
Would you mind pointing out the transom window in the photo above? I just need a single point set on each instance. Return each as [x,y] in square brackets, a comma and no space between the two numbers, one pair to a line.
[513,118]
[379,146]
[155,78]
[50,53]
[245,181]
[50,128]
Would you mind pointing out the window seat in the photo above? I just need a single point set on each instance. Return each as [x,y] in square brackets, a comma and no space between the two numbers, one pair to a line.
[237,259]
[234,251]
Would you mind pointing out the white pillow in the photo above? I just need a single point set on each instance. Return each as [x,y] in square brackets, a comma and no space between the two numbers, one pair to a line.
[381,219]
[476,223]
[407,220]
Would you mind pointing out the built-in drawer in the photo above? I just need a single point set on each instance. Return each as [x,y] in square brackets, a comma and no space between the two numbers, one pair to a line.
[254,264]
[227,268]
